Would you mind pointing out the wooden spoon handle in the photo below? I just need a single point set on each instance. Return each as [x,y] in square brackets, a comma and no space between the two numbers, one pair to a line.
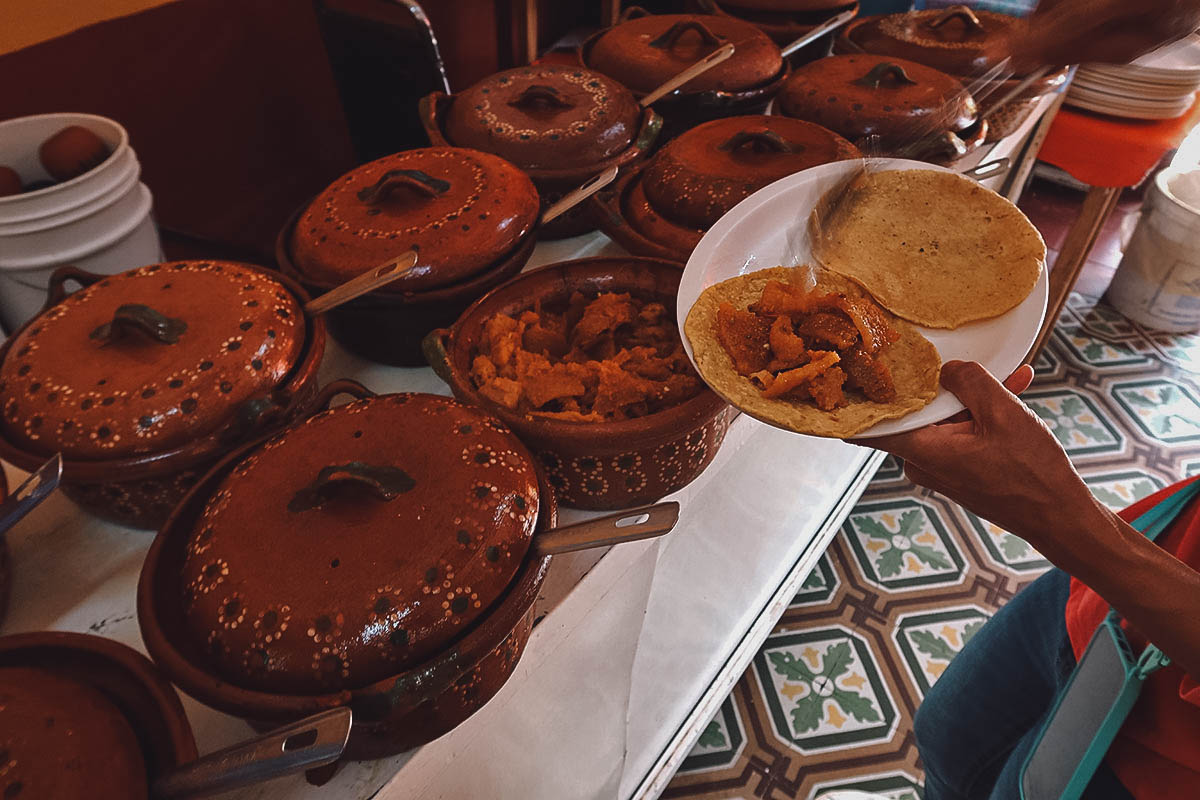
[369,281]
[703,65]
[589,188]
[625,526]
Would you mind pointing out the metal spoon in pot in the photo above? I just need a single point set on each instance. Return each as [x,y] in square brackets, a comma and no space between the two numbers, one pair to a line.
[645,522]
[312,742]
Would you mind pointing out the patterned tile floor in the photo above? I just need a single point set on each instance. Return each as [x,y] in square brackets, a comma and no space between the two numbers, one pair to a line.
[829,700]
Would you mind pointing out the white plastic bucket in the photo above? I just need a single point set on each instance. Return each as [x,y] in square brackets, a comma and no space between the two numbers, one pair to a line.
[100,221]
[1158,281]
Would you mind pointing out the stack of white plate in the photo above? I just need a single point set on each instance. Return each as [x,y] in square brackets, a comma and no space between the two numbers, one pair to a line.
[1158,85]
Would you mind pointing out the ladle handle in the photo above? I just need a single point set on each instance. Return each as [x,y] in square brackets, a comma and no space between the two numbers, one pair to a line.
[703,65]
[825,27]
[626,526]
[589,188]
[311,742]
[369,281]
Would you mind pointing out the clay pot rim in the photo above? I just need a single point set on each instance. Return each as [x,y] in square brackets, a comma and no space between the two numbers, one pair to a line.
[602,437]
[384,299]
[432,109]
[704,98]
[608,207]
[147,465]
[791,28]
[182,744]
[438,671]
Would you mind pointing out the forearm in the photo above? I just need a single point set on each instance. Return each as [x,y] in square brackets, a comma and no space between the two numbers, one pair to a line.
[1157,593]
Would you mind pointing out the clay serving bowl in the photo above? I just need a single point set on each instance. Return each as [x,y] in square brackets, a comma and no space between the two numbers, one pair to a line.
[126,679]
[391,715]
[786,25]
[741,85]
[606,465]
[470,217]
[388,327]
[140,490]
[560,124]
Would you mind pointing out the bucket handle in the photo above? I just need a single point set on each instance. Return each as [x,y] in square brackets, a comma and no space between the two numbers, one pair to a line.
[57,290]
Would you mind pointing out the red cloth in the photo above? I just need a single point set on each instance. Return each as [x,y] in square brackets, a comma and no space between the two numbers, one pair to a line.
[1107,151]
[1157,752]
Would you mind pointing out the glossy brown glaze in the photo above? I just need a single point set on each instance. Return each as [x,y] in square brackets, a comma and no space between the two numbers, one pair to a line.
[569,168]
[140,489]
[696,178]
[957,40]
[645,52]
[593,465]
[399,712]
[545,116]
[125,682]
[862,96]
[786,26]
[387,327]
[461,210]
[58,735]
[662,209]
[159,356]
[416,512]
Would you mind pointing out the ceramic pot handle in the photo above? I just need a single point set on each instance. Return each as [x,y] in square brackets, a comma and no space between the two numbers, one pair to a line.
[885,72]
[330,391]
[672,34]
[382,481]
[429,109]
[434,348]
[256,415]
[948,144]
[537,94]
[760,140]
[413,179]
[633,12]
[970,21]
[57,290]
[134,318]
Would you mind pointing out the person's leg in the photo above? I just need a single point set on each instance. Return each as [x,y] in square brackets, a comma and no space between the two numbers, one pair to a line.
[994,692]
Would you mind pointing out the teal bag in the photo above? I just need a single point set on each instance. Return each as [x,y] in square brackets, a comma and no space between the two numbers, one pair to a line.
[1100,693]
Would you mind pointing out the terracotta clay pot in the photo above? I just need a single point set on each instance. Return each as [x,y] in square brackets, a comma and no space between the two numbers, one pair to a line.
[469,215]
[174,412]
[393,712]
[560,124]
[785,26]
[959,41]
[642,52]
[886,105]
[602,465]
[662,208]
[126,680]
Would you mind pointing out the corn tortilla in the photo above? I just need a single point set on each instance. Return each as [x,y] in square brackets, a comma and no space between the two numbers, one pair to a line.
[932,247]
[913,360]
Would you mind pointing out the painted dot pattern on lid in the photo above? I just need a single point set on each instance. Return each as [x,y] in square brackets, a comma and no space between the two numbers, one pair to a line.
[66,387]
[303,597]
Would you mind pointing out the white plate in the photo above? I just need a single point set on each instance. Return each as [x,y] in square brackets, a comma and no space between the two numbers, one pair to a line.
[1128,111]
[770,227]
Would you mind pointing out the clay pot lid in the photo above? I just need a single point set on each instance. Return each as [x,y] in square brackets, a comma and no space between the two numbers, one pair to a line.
[149,359]
[644,52]
[869,95]
[358,543]
[57,736]
[545,116]
[957,40]
[461,210]
[697,177]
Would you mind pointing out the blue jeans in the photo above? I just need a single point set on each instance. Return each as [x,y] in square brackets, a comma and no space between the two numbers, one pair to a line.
[978,723]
